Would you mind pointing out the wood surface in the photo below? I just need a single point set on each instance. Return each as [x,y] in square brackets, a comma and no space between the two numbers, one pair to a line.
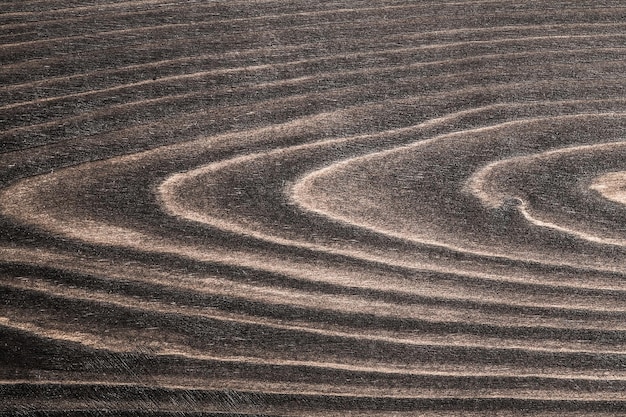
[312,208]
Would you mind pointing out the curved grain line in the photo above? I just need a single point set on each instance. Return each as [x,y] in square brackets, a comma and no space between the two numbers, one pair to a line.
[418,35]
[354,55]
[331,12]
[396,338]
[147,29]
[100,342]
[369,72]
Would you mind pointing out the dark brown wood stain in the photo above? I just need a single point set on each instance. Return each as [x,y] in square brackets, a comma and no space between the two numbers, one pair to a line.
[285,208]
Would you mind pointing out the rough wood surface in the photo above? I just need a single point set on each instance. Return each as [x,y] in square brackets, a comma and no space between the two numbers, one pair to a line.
[325,208]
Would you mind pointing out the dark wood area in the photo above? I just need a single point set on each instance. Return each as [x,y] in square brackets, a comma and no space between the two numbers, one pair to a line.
[321,208]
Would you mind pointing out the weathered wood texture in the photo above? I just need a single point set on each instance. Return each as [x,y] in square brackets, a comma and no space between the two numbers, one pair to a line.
[325,208]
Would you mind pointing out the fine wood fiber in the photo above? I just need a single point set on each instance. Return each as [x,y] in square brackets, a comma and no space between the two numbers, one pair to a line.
[320,208]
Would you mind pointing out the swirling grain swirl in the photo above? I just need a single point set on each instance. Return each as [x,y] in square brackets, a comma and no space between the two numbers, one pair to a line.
[312,208]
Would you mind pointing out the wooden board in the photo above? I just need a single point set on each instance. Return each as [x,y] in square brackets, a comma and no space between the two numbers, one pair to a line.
[324,208]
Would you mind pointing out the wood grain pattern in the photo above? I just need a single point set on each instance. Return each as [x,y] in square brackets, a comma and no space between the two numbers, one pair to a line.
[324,208]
